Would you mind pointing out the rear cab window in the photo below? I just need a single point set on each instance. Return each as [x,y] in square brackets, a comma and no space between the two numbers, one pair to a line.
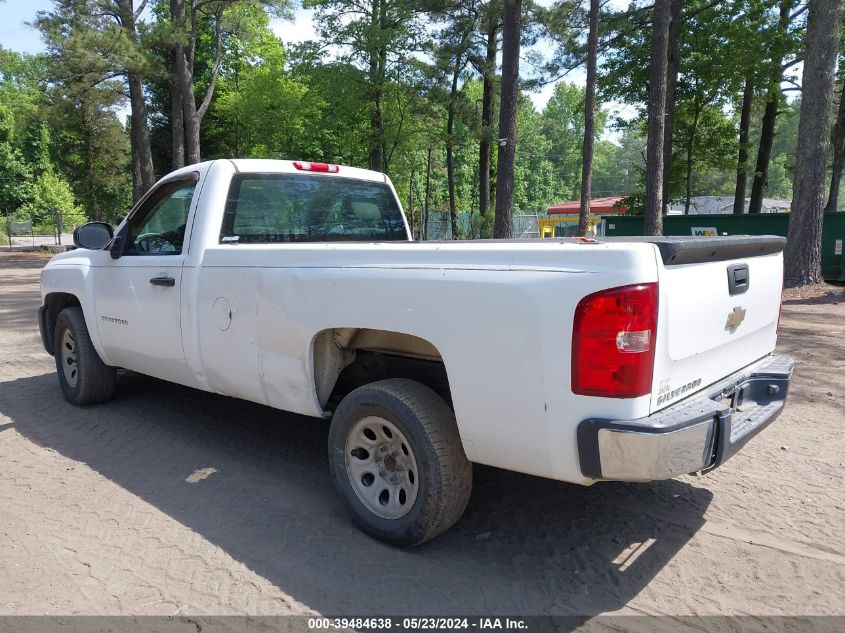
[280,208]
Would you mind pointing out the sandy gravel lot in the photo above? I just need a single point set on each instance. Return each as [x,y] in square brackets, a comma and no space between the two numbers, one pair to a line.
[172,501]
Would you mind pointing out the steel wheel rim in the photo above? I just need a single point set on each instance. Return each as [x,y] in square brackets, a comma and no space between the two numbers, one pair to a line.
[69,359]
[382,467]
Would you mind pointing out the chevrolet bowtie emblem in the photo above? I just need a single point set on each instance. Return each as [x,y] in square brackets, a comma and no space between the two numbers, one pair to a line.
[735,318]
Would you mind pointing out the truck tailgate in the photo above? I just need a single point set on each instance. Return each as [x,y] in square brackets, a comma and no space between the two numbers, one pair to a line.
[719,310]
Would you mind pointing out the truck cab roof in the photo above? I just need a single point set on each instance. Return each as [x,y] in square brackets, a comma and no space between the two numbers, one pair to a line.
[275,166]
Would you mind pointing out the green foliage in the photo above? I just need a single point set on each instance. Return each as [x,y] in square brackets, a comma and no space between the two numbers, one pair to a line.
[257,110]
[380,37]
[91,148]
[721,45]
[57,150]
[378,86]
[28,187]
[48,192]
[482,226]
[87,45]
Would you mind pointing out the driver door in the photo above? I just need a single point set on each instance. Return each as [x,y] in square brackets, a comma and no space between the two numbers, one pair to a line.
[138,294]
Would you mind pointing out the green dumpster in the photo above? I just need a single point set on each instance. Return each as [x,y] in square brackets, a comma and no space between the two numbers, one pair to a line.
[833,231]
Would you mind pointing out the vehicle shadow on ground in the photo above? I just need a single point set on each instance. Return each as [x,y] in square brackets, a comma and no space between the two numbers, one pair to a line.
[526,545]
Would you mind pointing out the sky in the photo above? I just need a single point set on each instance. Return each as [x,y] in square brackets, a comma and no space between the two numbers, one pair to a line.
[15,35]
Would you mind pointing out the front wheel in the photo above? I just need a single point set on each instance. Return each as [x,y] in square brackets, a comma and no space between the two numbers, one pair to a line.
[83,376]
[397,460]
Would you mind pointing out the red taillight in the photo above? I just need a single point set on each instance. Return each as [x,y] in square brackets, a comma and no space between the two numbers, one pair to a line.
[613,342]
[321,167]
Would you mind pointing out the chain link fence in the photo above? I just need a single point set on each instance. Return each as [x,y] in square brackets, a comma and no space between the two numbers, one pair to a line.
[20,230]
[51,228]
[440,227]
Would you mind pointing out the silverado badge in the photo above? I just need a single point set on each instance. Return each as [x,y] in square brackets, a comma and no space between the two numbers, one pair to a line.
[735,318]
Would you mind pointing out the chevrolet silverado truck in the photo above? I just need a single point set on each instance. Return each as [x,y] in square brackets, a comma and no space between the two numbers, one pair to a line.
[298,285]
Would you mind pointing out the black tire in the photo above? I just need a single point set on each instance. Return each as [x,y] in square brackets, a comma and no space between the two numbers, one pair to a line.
[445,477]
[94,380]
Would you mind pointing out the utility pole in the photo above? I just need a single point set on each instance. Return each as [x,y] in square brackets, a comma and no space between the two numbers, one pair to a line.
[427,194]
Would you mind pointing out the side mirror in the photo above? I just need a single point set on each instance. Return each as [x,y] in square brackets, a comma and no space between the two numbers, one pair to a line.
[94,236]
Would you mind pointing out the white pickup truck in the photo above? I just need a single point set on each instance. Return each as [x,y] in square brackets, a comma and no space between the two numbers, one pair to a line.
[297,285]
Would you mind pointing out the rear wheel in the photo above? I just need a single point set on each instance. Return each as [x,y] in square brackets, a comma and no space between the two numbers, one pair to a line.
[398,462]
[83,376]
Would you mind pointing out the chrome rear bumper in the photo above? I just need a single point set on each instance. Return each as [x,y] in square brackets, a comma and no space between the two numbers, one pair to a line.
[696,434]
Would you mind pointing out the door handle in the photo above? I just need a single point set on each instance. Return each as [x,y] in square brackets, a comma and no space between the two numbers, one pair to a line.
[164,280]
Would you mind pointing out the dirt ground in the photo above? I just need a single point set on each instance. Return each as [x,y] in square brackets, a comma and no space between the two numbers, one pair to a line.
[172,501]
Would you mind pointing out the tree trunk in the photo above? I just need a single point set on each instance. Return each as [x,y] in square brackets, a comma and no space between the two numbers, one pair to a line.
[140,135]
[88,133]
[589,120]
[690,149]
[673,62]
[767,131]
[189,107]
[184,69]
[137,189]
[382,135]
[484,144]
[838,155]
[802,259]
[653,221]
[411,200]
[742,157]
[427,194]
[511,31]
[177,118]
[139,131]
[184,78]
[688,175]
[376,129]
[376,79]
[450,153]
[237,122]
[764,151]
[177,121]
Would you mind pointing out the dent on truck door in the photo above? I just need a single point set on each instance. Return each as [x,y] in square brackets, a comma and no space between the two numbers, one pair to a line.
[138,295]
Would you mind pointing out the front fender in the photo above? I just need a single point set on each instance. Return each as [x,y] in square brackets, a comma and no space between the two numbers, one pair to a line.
[73,276]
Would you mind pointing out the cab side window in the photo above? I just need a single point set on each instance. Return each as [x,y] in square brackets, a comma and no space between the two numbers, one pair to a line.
[158,227]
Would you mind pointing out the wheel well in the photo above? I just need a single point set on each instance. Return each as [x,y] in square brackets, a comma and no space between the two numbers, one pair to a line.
[348,358]
[54,303]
